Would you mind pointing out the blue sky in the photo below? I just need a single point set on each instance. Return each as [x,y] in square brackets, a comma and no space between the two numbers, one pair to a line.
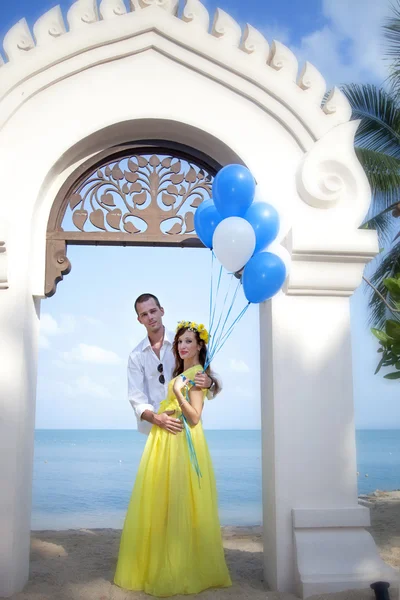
[89,327]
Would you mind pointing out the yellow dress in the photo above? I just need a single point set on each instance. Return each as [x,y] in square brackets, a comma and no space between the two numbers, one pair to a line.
[171,542]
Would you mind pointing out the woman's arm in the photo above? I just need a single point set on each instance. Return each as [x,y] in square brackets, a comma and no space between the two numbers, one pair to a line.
[193,409]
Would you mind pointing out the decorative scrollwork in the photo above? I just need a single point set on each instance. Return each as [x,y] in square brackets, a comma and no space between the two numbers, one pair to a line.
[18,40]
[49,26]
[255,44]
[196,13]
[155,195]
[323,179]
[3,266]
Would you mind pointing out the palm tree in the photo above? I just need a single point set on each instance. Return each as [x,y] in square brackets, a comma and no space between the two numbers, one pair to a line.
[378,149]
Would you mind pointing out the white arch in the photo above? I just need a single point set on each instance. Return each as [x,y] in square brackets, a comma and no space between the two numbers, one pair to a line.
[115,77]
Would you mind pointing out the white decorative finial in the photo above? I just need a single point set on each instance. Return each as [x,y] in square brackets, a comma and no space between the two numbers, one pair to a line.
[110,9]
[170,6]
[82,13]
[49,26]
[255,44]
[337,104]
[18,40]
[282,59]
[324,179]
[311,80]
[196,13]
[226,28]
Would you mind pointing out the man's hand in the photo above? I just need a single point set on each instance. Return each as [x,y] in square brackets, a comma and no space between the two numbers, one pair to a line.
[165,421]
[203,381]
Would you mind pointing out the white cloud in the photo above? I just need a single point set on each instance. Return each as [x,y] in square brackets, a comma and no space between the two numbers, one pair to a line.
[49,327]
[361,22]
[349,48]
[92,321]
[91,354]
[44,342]
[274,31]
[85,386]
[238,365]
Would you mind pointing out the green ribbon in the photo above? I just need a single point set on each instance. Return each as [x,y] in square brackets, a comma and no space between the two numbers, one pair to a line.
[192,451]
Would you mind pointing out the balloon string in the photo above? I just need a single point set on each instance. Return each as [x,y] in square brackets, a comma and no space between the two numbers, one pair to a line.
[214,300]
[211,287]
[213,336]
[216,341]
[226,336]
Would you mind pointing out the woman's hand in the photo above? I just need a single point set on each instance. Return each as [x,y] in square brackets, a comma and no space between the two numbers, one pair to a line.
[179,383]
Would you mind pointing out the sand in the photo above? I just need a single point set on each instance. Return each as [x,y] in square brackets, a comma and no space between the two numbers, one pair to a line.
[79,564]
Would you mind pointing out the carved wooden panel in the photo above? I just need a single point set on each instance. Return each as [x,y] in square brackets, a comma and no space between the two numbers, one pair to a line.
[152,195]
[132,196]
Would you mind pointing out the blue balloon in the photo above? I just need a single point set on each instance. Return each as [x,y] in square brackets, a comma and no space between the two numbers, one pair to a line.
[206,219]
[233,191]
[265,221]
[263,277]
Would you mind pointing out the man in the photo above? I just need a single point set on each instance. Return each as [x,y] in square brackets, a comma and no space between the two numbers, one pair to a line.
[150,368]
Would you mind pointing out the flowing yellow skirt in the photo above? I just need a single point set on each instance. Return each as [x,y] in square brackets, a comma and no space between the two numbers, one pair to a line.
[171,541]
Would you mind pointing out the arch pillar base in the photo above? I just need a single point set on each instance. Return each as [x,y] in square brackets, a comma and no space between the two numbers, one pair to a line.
[314,536]
[335,553]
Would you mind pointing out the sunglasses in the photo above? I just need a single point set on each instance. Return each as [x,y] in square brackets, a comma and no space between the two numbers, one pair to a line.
[160,369]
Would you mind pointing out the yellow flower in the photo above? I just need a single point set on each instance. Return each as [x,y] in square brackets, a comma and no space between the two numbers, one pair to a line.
[201,327]
[204,336]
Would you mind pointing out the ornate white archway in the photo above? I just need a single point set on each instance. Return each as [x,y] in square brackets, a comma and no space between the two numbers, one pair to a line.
[116,78]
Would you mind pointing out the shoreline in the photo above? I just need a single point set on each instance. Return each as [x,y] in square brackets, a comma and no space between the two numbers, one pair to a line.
[78,564]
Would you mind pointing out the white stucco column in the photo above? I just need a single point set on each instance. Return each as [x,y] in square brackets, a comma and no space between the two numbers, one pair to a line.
[314,535]
[19,322]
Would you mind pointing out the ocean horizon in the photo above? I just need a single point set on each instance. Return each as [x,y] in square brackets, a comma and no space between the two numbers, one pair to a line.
[83,478]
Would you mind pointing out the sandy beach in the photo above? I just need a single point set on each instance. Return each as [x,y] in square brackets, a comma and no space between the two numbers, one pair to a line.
[79,564]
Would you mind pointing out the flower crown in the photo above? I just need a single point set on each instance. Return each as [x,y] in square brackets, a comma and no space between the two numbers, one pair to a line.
[192,326]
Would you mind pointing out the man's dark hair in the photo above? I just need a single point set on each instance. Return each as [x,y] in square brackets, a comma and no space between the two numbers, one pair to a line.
[145,298]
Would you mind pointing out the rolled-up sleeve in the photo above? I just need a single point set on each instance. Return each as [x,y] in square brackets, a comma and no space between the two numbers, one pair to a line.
[136,394]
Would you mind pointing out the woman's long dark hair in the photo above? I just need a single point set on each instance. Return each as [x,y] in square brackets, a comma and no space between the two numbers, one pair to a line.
[202,358]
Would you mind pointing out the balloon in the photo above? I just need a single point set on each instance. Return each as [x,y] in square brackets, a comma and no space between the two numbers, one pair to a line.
[284,209]
[264,219]
[284,255]
[263,277]
[234,241]
[233,191]
[206,219]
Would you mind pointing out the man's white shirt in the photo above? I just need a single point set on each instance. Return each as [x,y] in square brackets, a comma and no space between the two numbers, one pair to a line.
[145,392]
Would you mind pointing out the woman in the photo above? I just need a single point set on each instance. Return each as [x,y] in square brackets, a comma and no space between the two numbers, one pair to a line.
[171,541]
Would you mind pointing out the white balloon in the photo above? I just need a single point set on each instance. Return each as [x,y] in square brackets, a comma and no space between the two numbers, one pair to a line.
[234,241]
[284,255]
[285,214]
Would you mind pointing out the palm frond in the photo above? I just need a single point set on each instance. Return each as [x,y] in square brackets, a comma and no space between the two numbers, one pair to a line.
[383,174]
[383,224]
[388,267]
[379,112]
[394,78]
[392,32]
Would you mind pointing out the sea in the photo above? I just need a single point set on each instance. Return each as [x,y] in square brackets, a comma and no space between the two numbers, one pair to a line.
[84,478]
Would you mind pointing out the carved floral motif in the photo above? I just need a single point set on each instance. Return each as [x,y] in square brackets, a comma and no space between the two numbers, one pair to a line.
[152,194]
